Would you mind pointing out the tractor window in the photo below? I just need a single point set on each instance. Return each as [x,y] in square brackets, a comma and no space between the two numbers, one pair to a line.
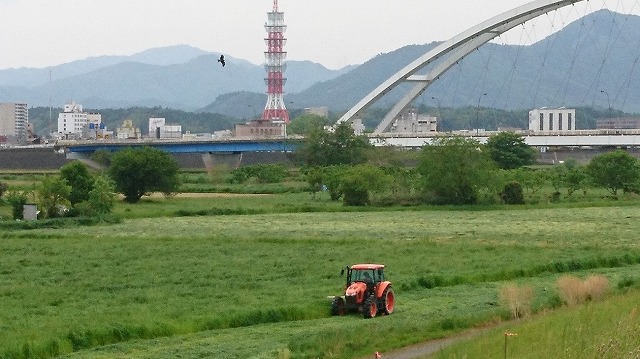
[363,275]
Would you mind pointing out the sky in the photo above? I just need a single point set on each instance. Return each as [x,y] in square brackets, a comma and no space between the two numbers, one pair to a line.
[41,33]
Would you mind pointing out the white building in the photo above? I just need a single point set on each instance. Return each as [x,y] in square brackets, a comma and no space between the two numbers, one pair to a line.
[73,121]
[158,129]
[155,123]
[14,121]
[552,120]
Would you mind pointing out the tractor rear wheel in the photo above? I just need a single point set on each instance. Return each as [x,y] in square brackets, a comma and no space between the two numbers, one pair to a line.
[388,301]
[338,306]
[370,307]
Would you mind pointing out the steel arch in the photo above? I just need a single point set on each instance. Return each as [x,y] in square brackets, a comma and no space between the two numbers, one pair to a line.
[451,52]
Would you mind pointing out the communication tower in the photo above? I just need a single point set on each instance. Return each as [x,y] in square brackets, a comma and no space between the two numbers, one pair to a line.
[275,55]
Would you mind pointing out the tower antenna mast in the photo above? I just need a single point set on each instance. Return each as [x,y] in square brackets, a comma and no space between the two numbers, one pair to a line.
[275,110]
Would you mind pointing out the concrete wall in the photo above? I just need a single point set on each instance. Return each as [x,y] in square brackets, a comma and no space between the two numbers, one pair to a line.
[48,159]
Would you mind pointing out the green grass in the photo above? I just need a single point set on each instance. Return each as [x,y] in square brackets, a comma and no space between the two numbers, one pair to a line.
[607,329]
[198,284]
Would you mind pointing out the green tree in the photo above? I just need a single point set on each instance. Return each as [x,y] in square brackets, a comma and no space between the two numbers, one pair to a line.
[359,181]
[615,171]
[508,150]
[53,194]
[314,177]
[576,177]
[102,197]
[454,170]
[80,179]
[332,178]
[304,124]
[339,147]
[512,193]
[138,172]
[17,200]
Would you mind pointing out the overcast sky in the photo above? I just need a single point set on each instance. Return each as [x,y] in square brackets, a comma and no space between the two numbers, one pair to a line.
[335,33]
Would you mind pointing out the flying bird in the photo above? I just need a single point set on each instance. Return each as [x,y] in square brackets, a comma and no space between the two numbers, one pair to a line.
[221,60]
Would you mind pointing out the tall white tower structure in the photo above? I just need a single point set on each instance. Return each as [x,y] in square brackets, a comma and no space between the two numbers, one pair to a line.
[275,110]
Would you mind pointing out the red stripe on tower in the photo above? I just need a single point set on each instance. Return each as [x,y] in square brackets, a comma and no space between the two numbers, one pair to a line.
[275,55]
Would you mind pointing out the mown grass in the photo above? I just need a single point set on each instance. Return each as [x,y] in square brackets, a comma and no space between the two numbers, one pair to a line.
[201,279]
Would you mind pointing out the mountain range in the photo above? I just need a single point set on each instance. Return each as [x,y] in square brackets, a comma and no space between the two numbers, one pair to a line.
[578,65]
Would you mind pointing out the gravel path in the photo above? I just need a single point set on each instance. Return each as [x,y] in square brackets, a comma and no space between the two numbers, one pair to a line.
[427,348]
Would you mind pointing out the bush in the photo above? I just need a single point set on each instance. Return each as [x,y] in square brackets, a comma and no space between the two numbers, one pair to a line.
[3,188]
[597,287]
[17,200]
[512,193]
[574,291]
[517,299]
[263,173]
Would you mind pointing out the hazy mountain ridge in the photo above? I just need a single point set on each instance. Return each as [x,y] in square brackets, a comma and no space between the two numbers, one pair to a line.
[181,77]
[603,57]
[602,47]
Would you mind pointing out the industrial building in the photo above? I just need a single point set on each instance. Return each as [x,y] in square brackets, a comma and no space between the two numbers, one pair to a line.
[549,120]
[412,122]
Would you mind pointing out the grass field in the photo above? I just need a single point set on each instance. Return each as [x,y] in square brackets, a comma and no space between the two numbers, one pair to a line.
[607,330]
[255,284]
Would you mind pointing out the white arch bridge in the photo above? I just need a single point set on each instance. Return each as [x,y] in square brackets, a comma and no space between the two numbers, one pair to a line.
[447,55]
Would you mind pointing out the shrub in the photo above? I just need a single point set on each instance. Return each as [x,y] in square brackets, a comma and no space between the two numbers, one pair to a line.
[3,188]
[512,193]
[517,299]
[574,291]
[17,200]
[571,290]
[597,286]
[264,173]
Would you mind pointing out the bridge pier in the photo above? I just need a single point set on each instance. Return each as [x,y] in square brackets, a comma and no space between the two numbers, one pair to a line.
[211,160]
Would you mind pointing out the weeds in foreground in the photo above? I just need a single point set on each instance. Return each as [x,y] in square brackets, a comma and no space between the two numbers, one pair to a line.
[517,299]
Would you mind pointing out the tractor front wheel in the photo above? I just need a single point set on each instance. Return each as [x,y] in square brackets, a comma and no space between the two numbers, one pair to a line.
[338,306]
[370,307]
[388,301]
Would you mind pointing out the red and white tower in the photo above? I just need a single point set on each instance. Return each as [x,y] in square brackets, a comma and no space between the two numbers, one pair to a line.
[275,55]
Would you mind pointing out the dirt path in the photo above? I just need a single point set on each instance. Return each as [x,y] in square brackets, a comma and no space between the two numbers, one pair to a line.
[433,346]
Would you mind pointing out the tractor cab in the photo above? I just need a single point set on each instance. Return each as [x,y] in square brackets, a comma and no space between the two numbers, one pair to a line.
[369,276]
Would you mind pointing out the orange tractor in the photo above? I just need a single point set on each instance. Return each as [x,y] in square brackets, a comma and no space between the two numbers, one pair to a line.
[366,291]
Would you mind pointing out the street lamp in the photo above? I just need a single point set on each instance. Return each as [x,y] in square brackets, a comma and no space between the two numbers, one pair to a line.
[478,113]
[439,112]
[608,99]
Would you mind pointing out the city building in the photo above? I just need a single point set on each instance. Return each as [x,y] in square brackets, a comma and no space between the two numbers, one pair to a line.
[14,122]
[413,122]
[128,131]
[159,129]
[73,121]
[552,120]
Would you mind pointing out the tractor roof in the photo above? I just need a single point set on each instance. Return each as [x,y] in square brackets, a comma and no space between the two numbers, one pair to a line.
[367,266]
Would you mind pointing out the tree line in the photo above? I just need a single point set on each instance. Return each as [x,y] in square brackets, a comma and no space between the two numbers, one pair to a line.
[452,170]
[449,171]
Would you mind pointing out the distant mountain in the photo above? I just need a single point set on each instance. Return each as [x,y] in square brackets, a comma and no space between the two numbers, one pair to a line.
[29,77]
[577,66]
[570,68]
[180,77]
